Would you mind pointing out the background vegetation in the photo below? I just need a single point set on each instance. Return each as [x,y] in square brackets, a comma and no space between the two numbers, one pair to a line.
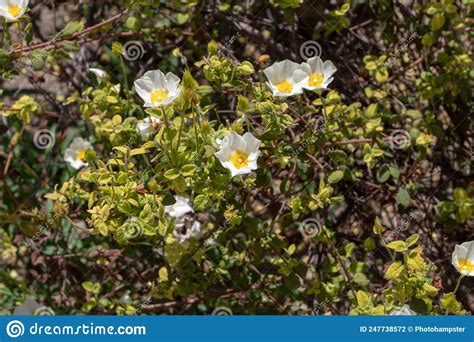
[361,193]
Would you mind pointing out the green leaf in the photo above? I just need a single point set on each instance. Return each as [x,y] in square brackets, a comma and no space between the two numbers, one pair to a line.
[182,18]
[343,10]
[412,240]
[403,197]
[430,290]
[246,68]
[394,171]
[201,202]
[180,184]
[460,194]
[291,249]
[335,177]
[212,47]
[117,120]
[360,279]
[91,287]
[449,303]
[72,27]
[137,151]
[383,174]
[89,305]
[398,246]
[172,174]
[169,199]
[148,144]
[371,66]
[88,286]
[349,248]
[369,244]
[427,40]
[133,202]
[381,75]
[394,271]
[188,170]
[163,274]
[437,22]
[378,228]
[243,103]
[363,299]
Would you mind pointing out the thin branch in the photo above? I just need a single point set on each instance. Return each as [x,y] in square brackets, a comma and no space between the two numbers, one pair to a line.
[54,43]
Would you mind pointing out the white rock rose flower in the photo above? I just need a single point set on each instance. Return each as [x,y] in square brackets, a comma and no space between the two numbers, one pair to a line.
[75,154]
[285,78]
[319,74]
[181,207]
[224,141]
[13,9]
[99,73]
[185,227]
[403,311]
[238,153]
[157,89]
[463,258]
[148,126]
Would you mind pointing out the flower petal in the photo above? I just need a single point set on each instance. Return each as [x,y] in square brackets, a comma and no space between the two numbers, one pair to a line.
[328,69]
[144,87]
[252,143]
[316,65]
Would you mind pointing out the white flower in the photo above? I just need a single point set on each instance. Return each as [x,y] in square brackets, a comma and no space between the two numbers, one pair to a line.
[13,9]
[148,126]
[224,141]
[238,153]
[99,73]
[156,89]
[76,152]
[318,73]
[185,227]
[403,311]
[181,207]
[285,78]
[463,258]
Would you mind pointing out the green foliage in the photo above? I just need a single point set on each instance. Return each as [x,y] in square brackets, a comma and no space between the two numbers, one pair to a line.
[328,215]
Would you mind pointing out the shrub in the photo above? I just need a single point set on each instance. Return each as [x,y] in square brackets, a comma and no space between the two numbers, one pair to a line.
[162,176]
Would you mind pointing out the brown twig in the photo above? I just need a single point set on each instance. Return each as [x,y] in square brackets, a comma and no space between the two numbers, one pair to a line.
[411,66]
[186,301]
[53,43]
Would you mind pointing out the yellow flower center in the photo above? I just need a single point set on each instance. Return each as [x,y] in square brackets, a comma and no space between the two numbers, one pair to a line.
[81,155]
[159,95]
[155,125]
[239,159]
[14,10]
[315,80]
[466,265]
[285,87]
